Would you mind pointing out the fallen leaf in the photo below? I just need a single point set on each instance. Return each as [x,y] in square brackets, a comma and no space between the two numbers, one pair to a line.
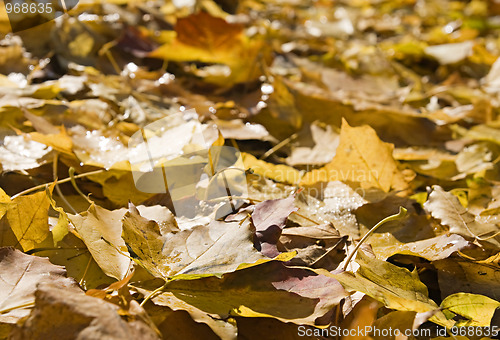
[27,218]
[447,208]
[101,230]
[60,141]
[212,249]
[450,53]
[478,309]
[362,317]
[237,129]
[269,218]
[397,288]
[93,148]
[474,158]
[279,172]
[432,249]
[22,153]
[224,329]
[70,314]
[482,132]
[304,296]
[326,142]
[317,246]
[218,42]
[119,187]
[461,276]
[361,157]
[397,320]
[213,44]
[180,325]
[20,275]
[268,329]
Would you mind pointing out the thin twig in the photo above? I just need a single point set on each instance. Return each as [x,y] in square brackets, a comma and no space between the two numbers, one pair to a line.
[278,146]
[73,182]
[85,272]
[27,304]
[153,293]
[43,186]
[58,189]
[400,214]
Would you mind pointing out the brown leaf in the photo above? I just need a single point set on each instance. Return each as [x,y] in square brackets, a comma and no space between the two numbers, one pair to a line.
[461,276]
[67,314]
[316,246]
[225,329]
[19,276]
[203,31]
[269,290]
[269,218]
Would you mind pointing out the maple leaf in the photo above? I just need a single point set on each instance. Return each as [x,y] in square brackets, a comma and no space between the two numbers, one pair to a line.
[396,287]
[254,292]
[205,250]
[27,218]
[361,157]
[446,207]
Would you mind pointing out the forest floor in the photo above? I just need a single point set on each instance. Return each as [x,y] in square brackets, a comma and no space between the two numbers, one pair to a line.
[251,169]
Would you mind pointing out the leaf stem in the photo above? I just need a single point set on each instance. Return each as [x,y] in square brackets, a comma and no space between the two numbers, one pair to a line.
[278,146]
[71,172]
[402,213]
[27,304]
[153,293]
[68,179]
[58,189]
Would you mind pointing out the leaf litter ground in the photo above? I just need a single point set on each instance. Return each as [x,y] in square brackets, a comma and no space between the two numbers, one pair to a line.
[341,113]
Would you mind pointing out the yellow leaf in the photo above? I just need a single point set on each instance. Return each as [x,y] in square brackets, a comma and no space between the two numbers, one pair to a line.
[28,218]
[101,230]
[60,142]
[446,207]
[4,198]
[4,21]
[279,173]
[361,157]
[63,248]
[477,308]
[201,251]
[119,187]
[224,328]
[396,287]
